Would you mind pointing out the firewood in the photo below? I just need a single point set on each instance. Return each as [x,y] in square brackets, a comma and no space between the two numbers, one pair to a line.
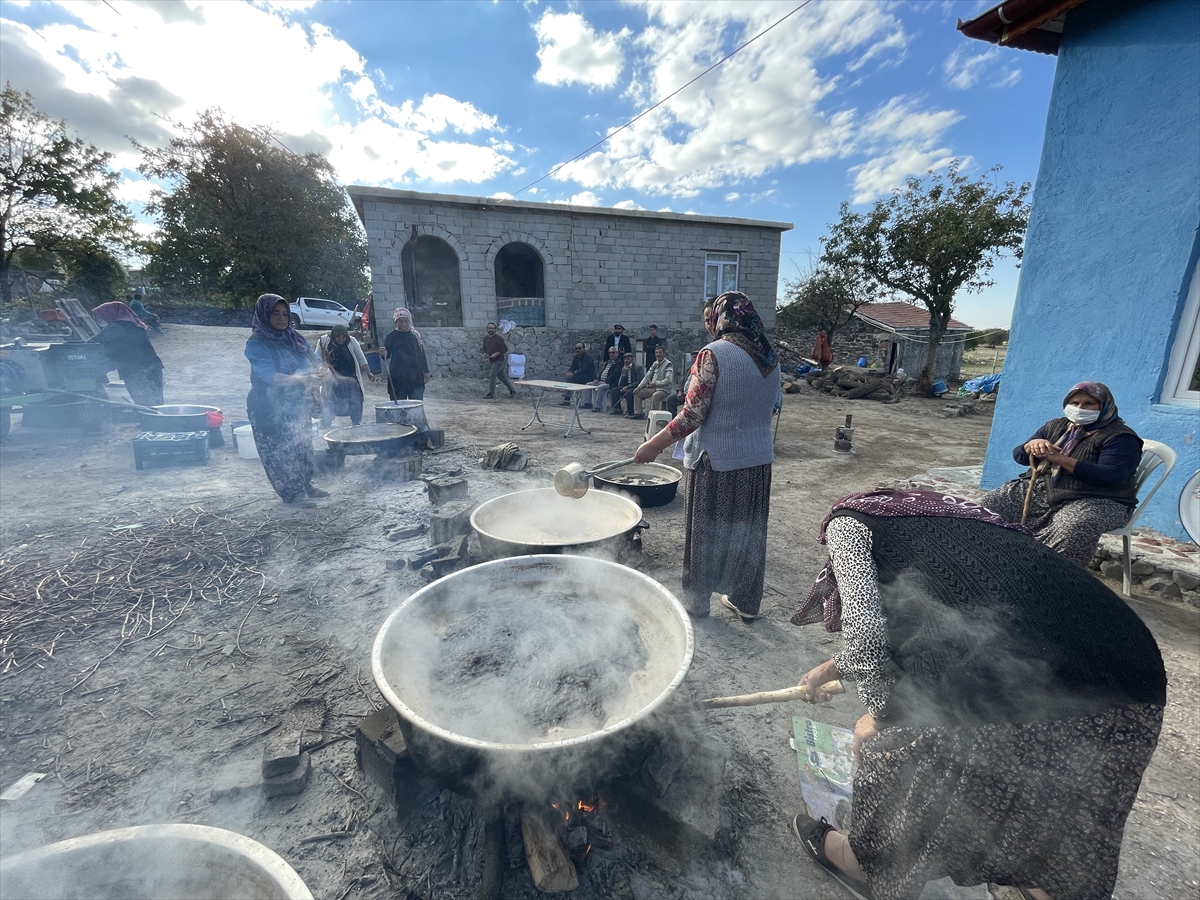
[549,864]
[824,692]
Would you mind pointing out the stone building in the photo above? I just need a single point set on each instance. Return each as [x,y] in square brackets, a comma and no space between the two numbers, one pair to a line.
[559,273]
[902,338]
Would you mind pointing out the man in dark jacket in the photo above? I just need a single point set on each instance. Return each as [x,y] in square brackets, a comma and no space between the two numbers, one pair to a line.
[581,371]
[617,339]
[631,376]
[496,351]
[650,343]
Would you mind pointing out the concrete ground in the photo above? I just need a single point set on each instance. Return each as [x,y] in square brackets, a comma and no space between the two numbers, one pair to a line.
[148,734]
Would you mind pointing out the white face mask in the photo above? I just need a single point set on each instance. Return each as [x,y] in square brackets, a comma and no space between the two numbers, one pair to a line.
[1078,416]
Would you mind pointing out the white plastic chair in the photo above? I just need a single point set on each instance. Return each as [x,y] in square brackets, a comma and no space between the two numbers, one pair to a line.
[1155,456]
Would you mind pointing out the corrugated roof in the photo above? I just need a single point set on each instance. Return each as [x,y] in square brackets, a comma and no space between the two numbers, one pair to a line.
[902,316]
[357,191]
[1024,24]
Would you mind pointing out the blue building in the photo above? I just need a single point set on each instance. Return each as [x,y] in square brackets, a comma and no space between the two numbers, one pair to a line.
[1109,289]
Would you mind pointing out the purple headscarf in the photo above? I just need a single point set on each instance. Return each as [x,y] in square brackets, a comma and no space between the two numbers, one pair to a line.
[263,331]
[824,601]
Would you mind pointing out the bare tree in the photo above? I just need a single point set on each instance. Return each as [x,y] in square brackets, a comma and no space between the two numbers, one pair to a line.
[825,297]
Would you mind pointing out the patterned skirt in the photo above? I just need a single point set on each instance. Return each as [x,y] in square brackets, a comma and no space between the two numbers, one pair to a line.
[1034,805]
[285,448]
[1072,529]
[725,547]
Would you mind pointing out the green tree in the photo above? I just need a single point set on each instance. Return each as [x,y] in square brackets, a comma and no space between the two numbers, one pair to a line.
[930,239]
[824,297]
[56,192]
[243,216]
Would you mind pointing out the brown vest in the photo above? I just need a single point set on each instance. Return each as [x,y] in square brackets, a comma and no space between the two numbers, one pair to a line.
[1067,487]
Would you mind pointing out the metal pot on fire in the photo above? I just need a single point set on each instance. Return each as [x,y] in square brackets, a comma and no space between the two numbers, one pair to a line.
[528,675]
[542,521]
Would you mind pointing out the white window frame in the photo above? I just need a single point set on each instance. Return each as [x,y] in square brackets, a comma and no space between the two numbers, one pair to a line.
[1185,351]
[719,261]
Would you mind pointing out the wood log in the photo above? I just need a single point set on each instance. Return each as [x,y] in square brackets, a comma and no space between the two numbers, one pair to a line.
[824,692]
[867,387]
[552,870]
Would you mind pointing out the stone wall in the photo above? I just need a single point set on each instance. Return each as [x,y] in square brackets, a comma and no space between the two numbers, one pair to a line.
[602,266]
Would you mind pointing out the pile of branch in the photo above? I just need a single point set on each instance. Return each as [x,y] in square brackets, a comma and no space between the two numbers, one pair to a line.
[133,582]
[853,383]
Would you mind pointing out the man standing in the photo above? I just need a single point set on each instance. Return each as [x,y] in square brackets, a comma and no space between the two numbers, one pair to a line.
[627,382]
[650,343]
[657,383]
[607,379]
[496,352]
[619,340]
[581,371]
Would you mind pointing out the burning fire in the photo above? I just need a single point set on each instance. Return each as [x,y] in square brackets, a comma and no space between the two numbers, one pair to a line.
[584,825]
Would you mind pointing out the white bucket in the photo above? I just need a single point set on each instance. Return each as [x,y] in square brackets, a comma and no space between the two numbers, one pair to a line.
[245,442]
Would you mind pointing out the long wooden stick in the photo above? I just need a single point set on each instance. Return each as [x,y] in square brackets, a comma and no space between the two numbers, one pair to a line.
[1036,469]
[824,692]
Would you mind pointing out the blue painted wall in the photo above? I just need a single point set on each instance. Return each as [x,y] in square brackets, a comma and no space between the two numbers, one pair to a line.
[1113,235]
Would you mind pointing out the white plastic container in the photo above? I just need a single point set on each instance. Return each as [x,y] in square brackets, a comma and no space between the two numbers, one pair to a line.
[245,442]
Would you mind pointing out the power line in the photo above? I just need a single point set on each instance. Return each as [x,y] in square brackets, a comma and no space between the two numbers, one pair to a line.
[651,109]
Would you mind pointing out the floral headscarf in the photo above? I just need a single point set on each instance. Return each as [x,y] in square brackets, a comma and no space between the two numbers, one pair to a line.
[1075,433]
[733,318]
[824,602]
[116,311]
[402,313]
[263,331]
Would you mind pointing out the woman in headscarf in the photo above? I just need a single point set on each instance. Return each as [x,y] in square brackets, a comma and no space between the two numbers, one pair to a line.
[342,392]
[282,372]
[1013,702]
[408,371]
[1089,490]
[728,451]
[124,335]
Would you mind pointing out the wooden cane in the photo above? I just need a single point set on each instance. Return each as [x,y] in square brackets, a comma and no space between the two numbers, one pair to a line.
[824,692]
[1036,469]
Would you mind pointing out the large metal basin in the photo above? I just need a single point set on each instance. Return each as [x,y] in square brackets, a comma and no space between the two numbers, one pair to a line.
[402,412]
[152,861]
[543,521]
[531,623]
[176,418]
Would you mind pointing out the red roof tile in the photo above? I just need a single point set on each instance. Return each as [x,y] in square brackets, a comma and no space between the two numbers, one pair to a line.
[903,315]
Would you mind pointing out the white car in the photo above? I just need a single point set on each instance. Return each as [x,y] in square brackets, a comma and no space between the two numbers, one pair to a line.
[314,312]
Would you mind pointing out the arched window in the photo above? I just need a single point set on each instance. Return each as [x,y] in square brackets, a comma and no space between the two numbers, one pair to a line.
[520,285]
[431,282]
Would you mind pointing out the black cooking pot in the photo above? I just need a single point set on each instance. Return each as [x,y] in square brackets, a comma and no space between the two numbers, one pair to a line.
[650,484]
[176,418]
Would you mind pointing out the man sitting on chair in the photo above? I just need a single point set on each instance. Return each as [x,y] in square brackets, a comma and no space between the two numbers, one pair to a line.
[656,384]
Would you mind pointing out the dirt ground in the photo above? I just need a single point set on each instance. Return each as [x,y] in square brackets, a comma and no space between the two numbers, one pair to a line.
[165,710]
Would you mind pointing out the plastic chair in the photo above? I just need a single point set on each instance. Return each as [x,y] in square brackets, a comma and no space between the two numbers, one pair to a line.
[1155,456]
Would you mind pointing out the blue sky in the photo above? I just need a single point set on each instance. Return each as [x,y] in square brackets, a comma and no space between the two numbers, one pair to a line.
[840,102]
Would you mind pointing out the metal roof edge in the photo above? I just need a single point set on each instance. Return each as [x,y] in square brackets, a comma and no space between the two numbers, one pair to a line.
[884,326]
[363,191]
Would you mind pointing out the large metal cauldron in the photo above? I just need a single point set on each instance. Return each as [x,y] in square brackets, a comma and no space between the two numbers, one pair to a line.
[176,418]
[147,861]
[402,412]
[542,521]
[469,732]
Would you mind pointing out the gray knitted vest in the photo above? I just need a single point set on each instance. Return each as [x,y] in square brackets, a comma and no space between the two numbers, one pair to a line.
[736,433]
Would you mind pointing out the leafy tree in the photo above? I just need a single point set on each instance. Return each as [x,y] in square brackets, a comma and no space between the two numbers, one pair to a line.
[245,216]
[56,192]
[930,239]
[824,298]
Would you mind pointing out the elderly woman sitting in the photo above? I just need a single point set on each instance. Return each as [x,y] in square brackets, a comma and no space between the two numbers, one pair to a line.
[1013,703]
[1092,457]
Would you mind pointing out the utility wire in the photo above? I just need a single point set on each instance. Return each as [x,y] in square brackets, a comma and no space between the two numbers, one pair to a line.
[651,109]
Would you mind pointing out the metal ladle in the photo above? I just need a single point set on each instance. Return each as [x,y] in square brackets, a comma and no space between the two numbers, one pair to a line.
[572,479]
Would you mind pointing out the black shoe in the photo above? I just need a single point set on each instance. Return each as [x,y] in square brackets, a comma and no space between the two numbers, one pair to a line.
[489,396]
[615,411]
[314,492]
[812,838]
[585,406]
[636,416]
[564,402]
[511,394]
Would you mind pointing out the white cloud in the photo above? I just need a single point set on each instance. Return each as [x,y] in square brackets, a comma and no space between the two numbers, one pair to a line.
[762,110]
[731,196]
[584,198]
[903,139]
[126,69]
[571,51]
[627,204]
[964,69]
